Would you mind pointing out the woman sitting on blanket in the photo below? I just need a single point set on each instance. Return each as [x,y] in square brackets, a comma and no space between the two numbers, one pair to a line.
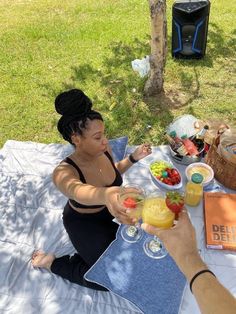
[91,181]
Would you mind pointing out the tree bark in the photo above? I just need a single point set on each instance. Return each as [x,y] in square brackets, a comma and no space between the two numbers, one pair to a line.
[155,81]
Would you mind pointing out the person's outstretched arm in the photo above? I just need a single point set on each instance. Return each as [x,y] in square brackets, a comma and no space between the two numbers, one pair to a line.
[140,152]
[180,241]
[66,179]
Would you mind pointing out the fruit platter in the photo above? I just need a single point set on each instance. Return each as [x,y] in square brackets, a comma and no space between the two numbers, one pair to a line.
[165,175]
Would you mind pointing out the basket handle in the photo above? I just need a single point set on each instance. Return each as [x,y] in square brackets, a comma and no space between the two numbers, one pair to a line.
[221,130]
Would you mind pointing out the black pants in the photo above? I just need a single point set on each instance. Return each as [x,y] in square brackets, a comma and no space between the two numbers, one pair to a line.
[90,234]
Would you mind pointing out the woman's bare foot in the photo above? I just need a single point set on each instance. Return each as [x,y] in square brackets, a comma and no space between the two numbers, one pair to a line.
[42,260]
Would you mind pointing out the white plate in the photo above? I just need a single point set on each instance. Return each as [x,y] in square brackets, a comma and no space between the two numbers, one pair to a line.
[147,161]
[163,185]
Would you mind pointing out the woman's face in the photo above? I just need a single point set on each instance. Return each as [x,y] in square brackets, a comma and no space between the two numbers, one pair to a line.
[93,141]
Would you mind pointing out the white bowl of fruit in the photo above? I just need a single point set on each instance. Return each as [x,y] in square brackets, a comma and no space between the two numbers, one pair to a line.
[165,175]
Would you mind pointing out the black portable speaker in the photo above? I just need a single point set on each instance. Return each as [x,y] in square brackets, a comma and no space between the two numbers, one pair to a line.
[189,28]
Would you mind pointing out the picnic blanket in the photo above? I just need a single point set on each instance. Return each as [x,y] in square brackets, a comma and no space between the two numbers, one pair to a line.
[30,218]
[155,286]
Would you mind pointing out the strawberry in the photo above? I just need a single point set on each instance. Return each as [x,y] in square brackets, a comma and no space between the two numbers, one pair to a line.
[168,170]
[129,202]
[174,180]
[174,173]
[174,201]
[167,181]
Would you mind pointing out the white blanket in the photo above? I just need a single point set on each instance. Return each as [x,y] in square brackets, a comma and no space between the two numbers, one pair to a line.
[30,218]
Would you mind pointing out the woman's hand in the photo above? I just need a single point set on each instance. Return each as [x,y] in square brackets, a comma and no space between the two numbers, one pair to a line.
[142,151]
[114,206]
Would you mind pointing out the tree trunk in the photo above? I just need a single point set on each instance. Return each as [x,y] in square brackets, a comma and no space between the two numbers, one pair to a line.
[154,84]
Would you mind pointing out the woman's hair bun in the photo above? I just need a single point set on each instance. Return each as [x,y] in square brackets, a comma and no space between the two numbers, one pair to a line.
[73,102]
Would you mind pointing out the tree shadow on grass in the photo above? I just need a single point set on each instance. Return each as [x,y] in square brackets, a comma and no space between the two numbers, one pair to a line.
[125,110]
[220,44]
[128,111]
[124,107]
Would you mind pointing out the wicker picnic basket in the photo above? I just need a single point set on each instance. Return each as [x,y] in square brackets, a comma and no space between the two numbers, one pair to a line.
[224,170]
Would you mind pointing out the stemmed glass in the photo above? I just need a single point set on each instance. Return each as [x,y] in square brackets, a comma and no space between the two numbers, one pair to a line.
[156,213]
[133,201]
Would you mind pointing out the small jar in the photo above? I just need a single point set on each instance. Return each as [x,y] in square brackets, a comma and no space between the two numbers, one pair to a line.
[194,190]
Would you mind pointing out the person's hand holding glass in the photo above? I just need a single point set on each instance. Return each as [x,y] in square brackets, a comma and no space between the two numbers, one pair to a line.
[156,213]
[132,198]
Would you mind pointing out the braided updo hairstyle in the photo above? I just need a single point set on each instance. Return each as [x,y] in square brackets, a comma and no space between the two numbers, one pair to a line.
[75,108]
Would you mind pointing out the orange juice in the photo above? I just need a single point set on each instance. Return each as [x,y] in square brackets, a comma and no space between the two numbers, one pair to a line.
[156,213]
[133,202]
[194,190]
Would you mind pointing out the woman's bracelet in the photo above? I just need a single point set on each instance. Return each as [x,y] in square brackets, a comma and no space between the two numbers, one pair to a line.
[131,159]
[197,274]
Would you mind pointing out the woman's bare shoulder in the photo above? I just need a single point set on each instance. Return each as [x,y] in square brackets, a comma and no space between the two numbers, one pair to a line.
[64,171]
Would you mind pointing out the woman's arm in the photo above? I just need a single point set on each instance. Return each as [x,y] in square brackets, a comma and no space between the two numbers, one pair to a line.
[122,165]
[140,152]
[66,180]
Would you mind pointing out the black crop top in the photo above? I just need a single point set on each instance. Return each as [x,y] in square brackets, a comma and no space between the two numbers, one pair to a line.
[117,182]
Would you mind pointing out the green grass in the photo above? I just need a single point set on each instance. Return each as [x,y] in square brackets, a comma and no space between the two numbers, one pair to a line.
[48,46]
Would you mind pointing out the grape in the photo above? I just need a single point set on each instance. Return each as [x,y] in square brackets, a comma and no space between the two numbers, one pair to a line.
[158,166]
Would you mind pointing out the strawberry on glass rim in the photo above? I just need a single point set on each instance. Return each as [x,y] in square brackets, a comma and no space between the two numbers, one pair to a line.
[130,202]
[133,201]
[174,201]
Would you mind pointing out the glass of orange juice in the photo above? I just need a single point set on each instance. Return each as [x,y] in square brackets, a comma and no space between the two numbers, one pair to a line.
[156,213]
[133,201]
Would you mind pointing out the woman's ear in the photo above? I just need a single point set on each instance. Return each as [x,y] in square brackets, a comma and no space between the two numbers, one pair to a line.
[75,139]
